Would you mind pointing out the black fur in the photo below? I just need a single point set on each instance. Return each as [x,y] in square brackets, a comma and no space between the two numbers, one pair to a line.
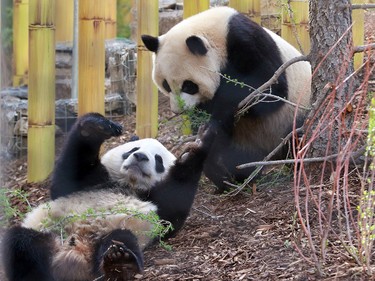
[196,45]
[244,37]
[151,43]
[79,165]
[130,244]
[28,253]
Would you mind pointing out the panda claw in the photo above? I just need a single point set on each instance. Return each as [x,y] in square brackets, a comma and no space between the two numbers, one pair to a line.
[119,262]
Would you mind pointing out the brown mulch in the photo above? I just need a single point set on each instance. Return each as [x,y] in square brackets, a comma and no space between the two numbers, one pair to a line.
[244,237]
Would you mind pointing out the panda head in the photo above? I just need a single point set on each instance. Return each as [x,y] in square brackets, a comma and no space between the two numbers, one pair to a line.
[139,164]
[188,58]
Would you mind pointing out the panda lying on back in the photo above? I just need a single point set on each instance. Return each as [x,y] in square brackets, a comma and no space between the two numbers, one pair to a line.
[94,228]
[192,64]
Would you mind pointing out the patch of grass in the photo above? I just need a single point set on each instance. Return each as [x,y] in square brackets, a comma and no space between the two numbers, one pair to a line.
[10,212]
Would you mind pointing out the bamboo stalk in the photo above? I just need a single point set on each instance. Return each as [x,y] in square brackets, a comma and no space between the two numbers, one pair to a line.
[91,56]
[41,106]
[358,17]
[192,7]
[147,94]
[295,24]
[20,42]
[110,19]
[250,8]
[64,20]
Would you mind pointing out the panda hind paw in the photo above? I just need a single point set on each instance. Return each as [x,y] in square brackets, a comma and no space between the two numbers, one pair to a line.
[119,263]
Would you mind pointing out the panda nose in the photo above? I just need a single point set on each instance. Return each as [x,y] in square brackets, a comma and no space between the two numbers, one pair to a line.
[140,156]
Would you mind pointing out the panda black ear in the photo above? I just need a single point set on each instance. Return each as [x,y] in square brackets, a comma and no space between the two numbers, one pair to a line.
[196,45]
[151,42]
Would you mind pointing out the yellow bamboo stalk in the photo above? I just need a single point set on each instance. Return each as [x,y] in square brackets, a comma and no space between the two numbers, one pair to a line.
[147,94]
[20,42]
[358,17]
[91,56]
[64,20]
[41,107]
[110,19]
[294,27]
[192,7]
[250,8]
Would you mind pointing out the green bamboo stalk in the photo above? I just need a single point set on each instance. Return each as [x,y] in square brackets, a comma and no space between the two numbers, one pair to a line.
[147,94]
[41,106]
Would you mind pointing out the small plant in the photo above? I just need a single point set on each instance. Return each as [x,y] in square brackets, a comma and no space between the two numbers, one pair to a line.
[193,117]
[366,208]
[9,211]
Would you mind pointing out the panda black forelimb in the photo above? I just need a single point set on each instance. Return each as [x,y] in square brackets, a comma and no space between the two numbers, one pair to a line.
[79,165]
[174,195]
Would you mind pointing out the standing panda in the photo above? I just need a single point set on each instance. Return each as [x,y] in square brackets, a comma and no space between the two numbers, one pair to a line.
[193,62]
[99,231]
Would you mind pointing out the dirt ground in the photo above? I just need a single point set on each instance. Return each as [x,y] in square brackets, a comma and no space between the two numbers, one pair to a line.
[249,236]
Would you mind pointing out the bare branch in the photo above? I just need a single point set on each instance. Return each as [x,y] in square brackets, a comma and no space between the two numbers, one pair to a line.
[363,6]
[305,160]
[273,80]
[363,48]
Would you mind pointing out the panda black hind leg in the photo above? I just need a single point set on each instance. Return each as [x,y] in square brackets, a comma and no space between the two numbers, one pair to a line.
[118,256]
[27,254]
[78,166]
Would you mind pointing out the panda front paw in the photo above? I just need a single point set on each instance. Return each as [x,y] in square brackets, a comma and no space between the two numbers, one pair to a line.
[96,125]
[120,263]
[189,149]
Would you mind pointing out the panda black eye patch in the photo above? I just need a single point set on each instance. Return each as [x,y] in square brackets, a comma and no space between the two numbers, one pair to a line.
[189,87]
[159,165]
[166,86]
[127,154]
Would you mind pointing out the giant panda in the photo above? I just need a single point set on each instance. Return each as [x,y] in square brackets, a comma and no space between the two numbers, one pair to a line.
[202,62]
[97,230]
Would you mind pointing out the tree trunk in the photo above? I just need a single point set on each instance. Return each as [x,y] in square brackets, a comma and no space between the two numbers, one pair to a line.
[331,47]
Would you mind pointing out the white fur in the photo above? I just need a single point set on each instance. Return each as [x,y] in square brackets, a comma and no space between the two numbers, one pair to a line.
[174,63]
[140,175]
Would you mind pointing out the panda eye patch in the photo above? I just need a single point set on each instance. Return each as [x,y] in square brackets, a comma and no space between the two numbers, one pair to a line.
[127,154]
[159,166]
[166,86]
[189,87]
